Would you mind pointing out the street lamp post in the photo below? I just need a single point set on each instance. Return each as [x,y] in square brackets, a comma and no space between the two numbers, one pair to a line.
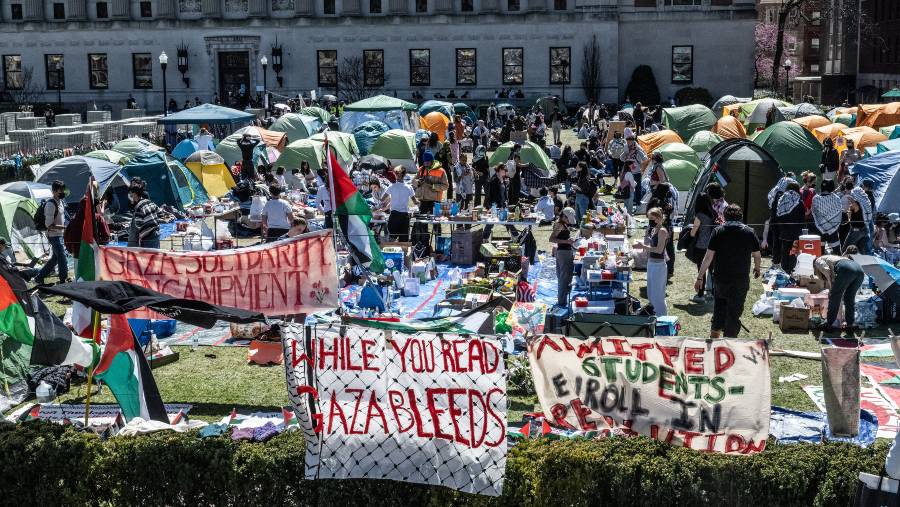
[163,62]
[265,64]
[787,77]
[59,84]
[565,66]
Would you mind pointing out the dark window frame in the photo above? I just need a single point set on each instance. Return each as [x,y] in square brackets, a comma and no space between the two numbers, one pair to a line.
[57,74]
[329,5]
[148,13]
[380,82]
[372,5]
[560,5]
[134,71]
[690,79]
[568,67]
[474,66]
[413,82]
[421,6]
[16,12]
[466,5]
[319,68]
[91,70]
[105,8]
[7,72]
[56,16]
[509,4]
[504,65]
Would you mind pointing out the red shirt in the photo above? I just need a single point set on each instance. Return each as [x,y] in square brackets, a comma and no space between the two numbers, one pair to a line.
[806,195]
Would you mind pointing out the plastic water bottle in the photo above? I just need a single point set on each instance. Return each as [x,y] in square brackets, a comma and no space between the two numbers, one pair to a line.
[437,209]
[454,208]
[501,267]
[45,393]
[195,341]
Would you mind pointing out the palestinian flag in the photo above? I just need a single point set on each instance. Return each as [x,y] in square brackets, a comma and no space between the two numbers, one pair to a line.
[27,320]
[124,369]
[86,268]
[354,215]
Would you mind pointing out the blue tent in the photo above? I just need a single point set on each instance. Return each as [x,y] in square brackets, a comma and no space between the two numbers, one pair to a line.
[168,181]
[77,171]
[429,106]
[882,170]
[185,149]
[891,145]
[367,133]
[210,114]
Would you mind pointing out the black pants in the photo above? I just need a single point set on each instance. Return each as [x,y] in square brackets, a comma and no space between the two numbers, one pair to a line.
[728,305]
[617,167]
[398,226]
[248,172]
[329,220]
[480,189]
[421,238]
[274,233]
[788,261]
[670,251]
[699,254]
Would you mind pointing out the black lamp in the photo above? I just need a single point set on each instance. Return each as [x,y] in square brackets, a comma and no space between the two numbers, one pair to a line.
[277,65]
[183,64]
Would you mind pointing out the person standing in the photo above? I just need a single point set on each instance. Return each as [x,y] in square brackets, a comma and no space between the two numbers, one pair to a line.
[398,195]
[498,197]
[827,214]
[829,161]
[430,184]
[277,215]
[704,224]
[465,182]
[730,247]
[323,198]
[204,140]
[633,151]
[849,157]
[556,124]
[843,277]
[585,189]
[55,223]
[482,171]
[144,229]
[860,214]
[657,276]
[790,216]
[565,254]
[247,145]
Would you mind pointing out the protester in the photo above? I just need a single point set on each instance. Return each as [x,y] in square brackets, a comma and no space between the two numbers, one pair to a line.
[655,242]
[323,198]
[849,157]
[626,188]
[585,188]
[843,277]
[55,223]
[790,216]
[657,171]
[298,227]
[830,160]
[555,121]
[498,197]
[398,195]
[731,246]
[430,183]
[664,196]
[465,182]
[247,145]
[545,206]
[204,140]
[277,215]
[704,224]
[859,215]
[144,229]
[561,236]
[808,191]
[827,214]
[481,173]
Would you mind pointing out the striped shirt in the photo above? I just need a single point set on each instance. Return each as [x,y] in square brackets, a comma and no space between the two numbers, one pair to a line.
[145,222]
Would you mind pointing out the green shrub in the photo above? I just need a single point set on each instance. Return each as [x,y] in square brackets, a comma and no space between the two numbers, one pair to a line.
[642,87]
[690,95]
[47,464]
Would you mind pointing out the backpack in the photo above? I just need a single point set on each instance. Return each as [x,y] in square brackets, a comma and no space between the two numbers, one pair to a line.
[616,149]
[40,216]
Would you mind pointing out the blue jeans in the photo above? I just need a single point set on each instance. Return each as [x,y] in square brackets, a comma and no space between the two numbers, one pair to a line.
[582,202]
[57,258]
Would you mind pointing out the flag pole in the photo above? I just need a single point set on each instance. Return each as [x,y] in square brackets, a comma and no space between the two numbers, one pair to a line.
[95,328]
[333,207]
[5,380]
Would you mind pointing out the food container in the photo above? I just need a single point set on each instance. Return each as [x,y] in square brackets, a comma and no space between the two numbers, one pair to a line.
[810,244]
[581,302]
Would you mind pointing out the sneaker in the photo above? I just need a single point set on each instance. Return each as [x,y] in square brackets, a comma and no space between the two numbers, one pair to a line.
[698,298]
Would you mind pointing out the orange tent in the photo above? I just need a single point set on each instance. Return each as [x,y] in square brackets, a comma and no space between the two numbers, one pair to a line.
[828,131]
[812,122]
[650,142]
[864,137]
[436,122]
[878,115]
[730,108]
[729,127]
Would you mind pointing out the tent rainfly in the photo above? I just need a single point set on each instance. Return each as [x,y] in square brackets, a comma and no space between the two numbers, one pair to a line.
[794,147]
[688,120]
[882,171]
[704,141]
[650,142]
[168,180]
[395,145]
[207,114]
[296,126]
[863,137]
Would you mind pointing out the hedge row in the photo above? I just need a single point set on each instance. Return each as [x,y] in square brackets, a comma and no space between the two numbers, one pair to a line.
[47,464]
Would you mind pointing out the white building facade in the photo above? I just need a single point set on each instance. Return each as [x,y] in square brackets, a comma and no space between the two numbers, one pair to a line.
[88,51]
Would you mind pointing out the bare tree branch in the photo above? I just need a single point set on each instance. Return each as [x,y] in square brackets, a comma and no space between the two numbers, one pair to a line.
[351,80]
[590,69]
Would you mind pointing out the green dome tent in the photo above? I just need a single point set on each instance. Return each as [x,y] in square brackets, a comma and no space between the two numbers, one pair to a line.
[794,147]
[688,120]
[116,157]
[312,151]
[704,141]
[681,173]
[135,145]
[347,141]
[531,154]
[297,126]
[323,115]
[395,145]
[17,224]
[753,114]
[168,180]
[679,151]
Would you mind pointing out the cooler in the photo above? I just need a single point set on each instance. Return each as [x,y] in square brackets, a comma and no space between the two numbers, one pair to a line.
[811,244]
[667,325]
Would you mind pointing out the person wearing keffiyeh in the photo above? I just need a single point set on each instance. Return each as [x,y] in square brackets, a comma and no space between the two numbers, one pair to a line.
[828,213]
[789,217]
[770,231]
[860,221]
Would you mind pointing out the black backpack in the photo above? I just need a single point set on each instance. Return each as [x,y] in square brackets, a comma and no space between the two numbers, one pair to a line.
[40,216]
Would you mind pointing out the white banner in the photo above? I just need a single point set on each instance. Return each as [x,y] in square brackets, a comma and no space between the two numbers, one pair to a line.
[415,408]
[710,396]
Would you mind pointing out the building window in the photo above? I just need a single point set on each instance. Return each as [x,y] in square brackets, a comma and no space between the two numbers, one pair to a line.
[373,67]
[421,6]
[560,65]
[816,18]
[16,12]
[791,46]
[465,67]
[102,10]
[146,10]
[142,70]
[560,5]
[59,10]
[682,64]
[512,5]
[13,76]
[374,6]
[54,66]
[420,67]
[328,6]
[327,65]
[645,3]
[99,73]
[681,2]
[814,43]
[467,5]
[814,68]
[513,66]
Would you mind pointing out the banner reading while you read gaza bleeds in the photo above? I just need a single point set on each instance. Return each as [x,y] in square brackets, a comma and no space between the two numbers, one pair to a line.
[293,276]
[382,405]
[710,396]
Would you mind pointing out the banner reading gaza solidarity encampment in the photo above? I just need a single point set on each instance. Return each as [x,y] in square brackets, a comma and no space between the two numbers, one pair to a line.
[288,277]
[710,396]
[415,408]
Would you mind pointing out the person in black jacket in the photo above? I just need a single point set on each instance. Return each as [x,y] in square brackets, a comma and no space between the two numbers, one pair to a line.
[482,171]
[830,159]
[247,145]
[498,196]
[790,218]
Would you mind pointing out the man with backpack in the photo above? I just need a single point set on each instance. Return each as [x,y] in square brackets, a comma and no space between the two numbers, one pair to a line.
[51,218]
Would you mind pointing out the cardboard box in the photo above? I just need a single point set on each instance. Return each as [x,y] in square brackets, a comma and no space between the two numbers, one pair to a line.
[465,246]
[793,318]
[813,284]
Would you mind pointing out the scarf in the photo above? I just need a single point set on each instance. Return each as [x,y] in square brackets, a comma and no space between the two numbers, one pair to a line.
[788,201]
[827,212]
[779,187]
[479,153]
[859,195]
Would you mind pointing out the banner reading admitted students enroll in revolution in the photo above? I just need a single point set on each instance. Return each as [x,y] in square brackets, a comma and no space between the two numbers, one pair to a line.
[288,277]
[709,396]
[383,405]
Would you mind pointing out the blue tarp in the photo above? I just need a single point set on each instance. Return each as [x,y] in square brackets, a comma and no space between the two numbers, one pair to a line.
[882,169]
[792,427]
[367,133]
[207,114]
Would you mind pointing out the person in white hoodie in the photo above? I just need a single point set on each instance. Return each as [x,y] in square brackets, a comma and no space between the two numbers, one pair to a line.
[546,207]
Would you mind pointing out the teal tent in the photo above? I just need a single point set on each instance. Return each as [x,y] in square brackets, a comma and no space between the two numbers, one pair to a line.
[168,181]
[430,106]
[688,120]
[367,133]
[296,126]
[465,111]
[892,132]
[184,149]
[794,147]
[207,114]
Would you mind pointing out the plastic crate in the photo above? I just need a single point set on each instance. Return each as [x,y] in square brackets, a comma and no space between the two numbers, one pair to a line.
[667,325]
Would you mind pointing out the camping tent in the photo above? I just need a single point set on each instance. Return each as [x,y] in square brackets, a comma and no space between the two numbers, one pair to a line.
[848,120]
[679,151]
[396,113]
[430,106]
[437,123]
[812,122]
[184,148]
[212,172]
[135,145]
[168,181]
[746,171]
[884,146]
[530,154]
[841,110]
[688,120]
[76,171]
[892,131]
[548,102]
[727,100]
[367,133]
[466,111]
[878,115]
[317,112]
[229,150]
[650,142]
[347,142]
[17,224]
[395,145]
[882,171]
[797,111]
[828,131]
[753,114]
[207,114]
[704,141]
[30,189]
[863,137]
[681,175]
[794,147]
[296,126]
[312,151]
[729,128]
[113,156]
